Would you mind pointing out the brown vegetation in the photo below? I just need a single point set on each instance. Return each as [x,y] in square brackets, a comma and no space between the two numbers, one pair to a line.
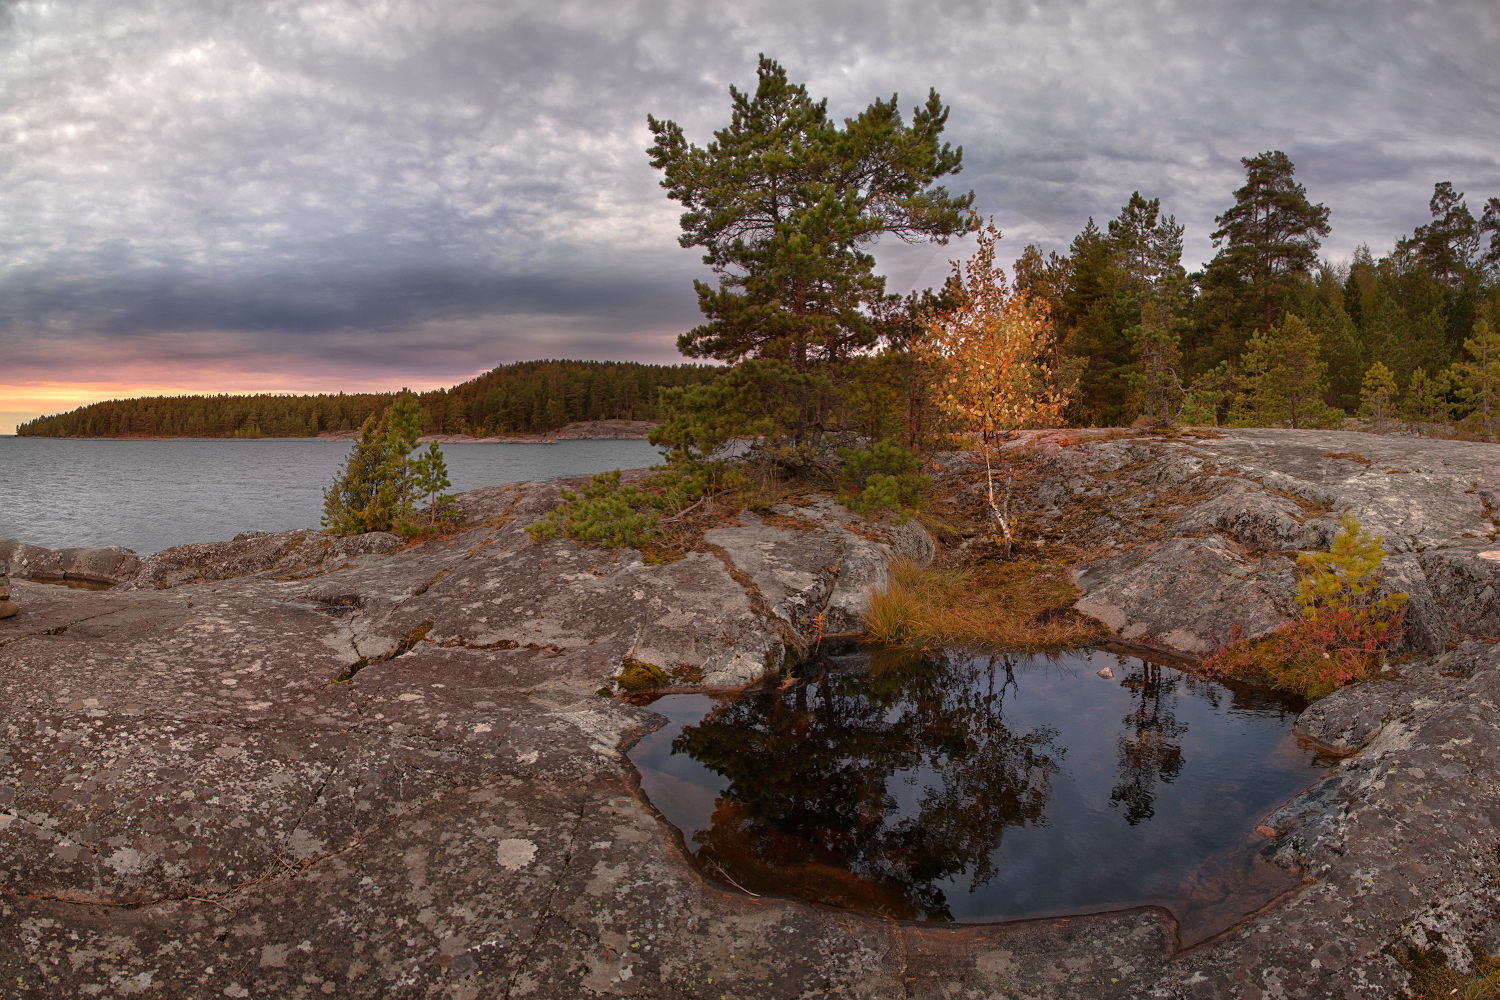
[1022,604]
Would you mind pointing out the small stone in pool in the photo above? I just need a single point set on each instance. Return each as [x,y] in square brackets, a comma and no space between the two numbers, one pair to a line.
[1107,673]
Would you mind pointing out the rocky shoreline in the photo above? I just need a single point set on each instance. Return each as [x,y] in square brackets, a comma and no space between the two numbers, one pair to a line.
[289,765]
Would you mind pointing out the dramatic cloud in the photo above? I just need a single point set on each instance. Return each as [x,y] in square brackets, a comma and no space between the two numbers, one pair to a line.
[325,194]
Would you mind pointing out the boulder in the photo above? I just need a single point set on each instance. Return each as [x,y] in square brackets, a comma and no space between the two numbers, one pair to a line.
[109,564]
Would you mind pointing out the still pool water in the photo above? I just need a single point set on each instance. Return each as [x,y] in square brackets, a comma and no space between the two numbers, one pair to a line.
[975,787]
[151,495]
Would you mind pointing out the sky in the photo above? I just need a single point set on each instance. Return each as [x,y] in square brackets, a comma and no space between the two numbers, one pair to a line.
[215,196]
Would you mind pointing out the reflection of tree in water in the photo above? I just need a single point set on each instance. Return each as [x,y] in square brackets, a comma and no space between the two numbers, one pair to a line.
[1149,748]
[809,810]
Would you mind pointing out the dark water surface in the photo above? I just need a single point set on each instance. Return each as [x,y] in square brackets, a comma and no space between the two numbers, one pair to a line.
[977,787]
[150,495]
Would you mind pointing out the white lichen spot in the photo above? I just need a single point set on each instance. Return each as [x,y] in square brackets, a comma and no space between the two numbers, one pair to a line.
[514,854]
[483,727]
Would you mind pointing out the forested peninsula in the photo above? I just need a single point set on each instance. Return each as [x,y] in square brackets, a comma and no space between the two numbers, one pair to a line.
[530,397]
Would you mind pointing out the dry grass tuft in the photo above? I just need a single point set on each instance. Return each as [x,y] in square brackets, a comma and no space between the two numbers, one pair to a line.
[1017,605]
[1433,979]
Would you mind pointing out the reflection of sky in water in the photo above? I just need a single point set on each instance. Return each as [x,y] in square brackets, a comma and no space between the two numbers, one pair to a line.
[1212,769]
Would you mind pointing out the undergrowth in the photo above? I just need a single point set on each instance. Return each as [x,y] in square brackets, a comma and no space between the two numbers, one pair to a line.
[607,514]
[885,478]
[1018,604]
[1345,626]
[1433,979]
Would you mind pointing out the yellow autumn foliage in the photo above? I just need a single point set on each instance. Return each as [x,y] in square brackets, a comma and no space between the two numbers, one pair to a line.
[991,353]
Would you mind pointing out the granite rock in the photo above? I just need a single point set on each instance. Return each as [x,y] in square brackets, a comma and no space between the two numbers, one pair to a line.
[267,770]
[1219,516]
[91,565]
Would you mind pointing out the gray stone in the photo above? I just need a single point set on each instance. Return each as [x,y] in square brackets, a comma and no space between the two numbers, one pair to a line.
[372,542]
[265,769]
[1194,538]
[92,565]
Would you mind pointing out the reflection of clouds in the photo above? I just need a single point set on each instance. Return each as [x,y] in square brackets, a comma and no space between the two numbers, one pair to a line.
[344,143]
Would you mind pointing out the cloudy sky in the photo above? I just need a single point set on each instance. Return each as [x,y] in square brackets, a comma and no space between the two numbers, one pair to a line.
[304,196]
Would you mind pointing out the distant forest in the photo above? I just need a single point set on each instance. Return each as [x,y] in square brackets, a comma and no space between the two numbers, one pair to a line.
[529,397]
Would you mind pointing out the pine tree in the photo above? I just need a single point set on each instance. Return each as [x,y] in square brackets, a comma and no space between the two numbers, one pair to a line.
[1158,355]
[1489,222]
[1283,378]
[1448,244]
[785,203]
[1269,235]
[1425,400]
[1377,395]
[429,475]
[1478,379]
[374,489]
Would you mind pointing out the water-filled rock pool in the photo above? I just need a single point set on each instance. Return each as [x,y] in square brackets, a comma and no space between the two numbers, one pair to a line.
[972,786]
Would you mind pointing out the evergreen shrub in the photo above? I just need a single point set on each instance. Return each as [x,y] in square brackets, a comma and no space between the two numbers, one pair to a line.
[1345,628]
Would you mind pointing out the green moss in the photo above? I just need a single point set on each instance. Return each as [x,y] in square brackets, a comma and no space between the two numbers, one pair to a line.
[636,676]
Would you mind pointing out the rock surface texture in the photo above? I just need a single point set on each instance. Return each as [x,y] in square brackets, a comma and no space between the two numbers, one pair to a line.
[292,767]
[1190,537]
[31,562]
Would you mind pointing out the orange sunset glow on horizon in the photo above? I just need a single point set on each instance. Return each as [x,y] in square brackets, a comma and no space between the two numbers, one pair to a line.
[23,401]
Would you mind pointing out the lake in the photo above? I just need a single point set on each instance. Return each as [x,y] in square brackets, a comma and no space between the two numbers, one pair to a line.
[151,495]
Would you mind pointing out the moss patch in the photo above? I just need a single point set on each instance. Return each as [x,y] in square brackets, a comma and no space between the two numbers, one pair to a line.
[636,677]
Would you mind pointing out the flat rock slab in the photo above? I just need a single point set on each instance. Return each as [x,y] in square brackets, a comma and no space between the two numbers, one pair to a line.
[277,770]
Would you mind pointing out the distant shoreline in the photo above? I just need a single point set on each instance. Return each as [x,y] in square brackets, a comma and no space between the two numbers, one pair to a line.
[589,430]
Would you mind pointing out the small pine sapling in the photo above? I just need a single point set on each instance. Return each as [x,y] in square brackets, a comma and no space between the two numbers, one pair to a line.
[1377,395]
[1345,624]
[602,513]
[884,478]
[430,478]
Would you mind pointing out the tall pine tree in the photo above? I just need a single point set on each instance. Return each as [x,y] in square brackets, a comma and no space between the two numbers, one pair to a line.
[1267,239]
[786,202]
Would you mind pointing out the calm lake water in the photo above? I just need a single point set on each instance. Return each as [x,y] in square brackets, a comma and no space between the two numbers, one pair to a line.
[151,495]
[972,787]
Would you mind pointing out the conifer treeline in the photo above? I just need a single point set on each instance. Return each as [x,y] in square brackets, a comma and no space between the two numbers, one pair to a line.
[1268,320]
[529,397]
